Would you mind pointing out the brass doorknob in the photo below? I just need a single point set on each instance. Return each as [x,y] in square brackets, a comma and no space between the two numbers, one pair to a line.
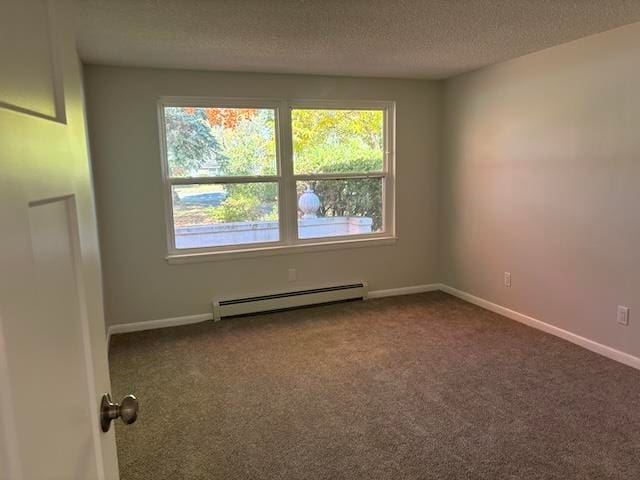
[127,410]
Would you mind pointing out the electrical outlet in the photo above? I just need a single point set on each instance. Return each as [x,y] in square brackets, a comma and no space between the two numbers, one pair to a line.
[507,279]
[623,315]
[292,275]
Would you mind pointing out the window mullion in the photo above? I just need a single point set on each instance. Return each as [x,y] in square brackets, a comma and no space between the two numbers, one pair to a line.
[288,213]
[389,191]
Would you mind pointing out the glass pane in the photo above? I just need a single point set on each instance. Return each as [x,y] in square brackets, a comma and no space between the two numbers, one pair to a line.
[233,214]
[328,141]
[330,208]
[206,142]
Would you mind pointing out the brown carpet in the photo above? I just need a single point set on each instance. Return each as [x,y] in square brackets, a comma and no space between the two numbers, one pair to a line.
[415,387]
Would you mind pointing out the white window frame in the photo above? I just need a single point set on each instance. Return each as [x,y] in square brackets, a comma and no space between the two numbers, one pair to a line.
[285,179]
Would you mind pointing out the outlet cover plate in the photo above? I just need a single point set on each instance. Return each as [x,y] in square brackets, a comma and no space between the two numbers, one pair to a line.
[623,315]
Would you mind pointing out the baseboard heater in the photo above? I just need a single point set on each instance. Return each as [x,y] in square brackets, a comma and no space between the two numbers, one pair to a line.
[291,299]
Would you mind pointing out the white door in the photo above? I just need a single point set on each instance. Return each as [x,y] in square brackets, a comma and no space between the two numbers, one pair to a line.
[53,357]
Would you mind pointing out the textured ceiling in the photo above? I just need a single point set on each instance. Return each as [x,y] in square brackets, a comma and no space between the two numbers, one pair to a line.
[381,38]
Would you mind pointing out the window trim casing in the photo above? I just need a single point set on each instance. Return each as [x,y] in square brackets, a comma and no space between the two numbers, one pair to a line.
[286,179]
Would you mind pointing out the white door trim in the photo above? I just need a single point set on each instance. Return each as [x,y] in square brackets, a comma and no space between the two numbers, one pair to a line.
[9,455]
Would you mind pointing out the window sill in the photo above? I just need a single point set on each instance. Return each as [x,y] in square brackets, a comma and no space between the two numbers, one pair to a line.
[181,258]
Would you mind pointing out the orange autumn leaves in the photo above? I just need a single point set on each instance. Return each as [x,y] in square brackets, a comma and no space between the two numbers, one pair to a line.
[225,117]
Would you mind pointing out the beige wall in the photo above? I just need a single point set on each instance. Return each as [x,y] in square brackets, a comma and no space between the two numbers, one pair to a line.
[540,178]
[140,285]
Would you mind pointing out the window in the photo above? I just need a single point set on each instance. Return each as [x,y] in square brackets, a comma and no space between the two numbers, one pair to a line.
[252,174]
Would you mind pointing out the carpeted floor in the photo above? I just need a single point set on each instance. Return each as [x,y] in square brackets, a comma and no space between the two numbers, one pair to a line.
[414,387]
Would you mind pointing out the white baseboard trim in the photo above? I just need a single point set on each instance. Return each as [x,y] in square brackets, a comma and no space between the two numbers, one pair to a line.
[596,347]
[186,320]
[160,323]
[392,292]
